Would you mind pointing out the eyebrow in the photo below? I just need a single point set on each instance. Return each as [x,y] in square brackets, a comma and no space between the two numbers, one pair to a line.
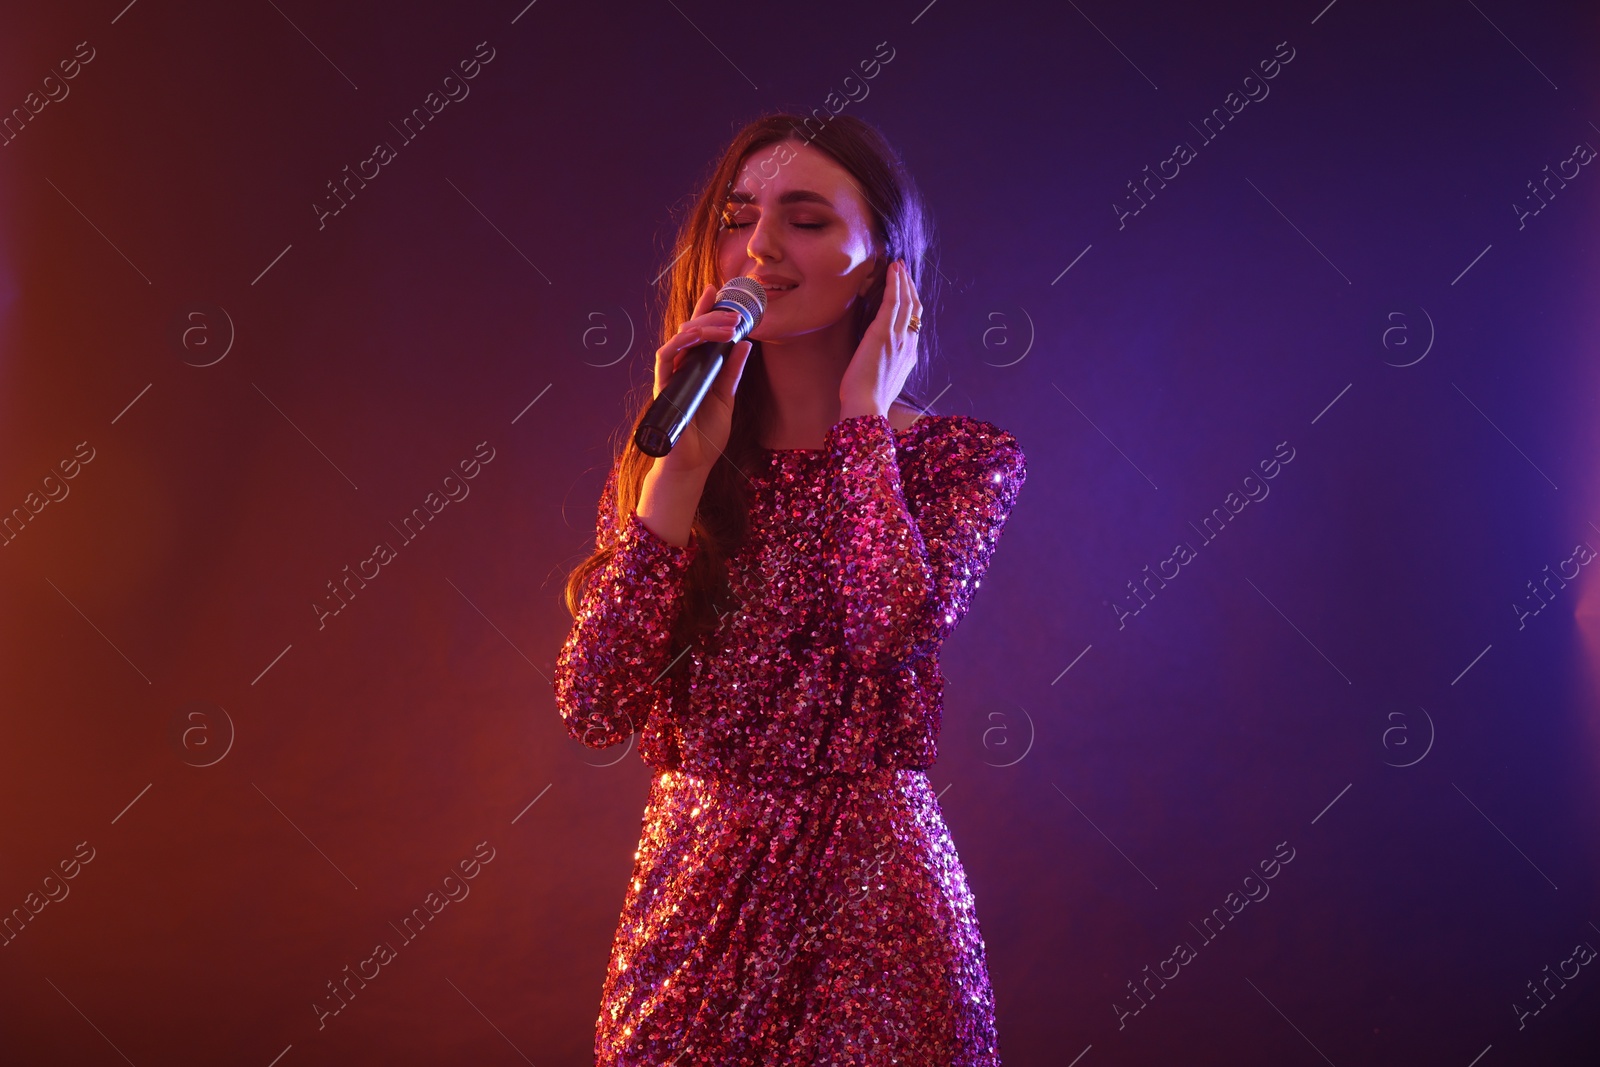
[793,196]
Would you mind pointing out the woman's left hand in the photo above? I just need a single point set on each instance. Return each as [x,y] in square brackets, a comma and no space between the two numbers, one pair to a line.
[887,352]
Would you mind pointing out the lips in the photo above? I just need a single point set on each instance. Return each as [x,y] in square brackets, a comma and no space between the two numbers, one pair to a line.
[776,285]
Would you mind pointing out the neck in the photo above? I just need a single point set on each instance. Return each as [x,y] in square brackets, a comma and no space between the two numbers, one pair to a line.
[804,373]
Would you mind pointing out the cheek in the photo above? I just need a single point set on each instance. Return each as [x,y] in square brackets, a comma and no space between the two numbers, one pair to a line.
[832,274]
[850,265]
[833,296]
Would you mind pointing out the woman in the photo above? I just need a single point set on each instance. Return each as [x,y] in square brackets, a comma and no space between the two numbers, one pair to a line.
[765,606]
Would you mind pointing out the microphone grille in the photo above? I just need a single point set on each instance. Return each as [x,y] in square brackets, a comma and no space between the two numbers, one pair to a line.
[748,295]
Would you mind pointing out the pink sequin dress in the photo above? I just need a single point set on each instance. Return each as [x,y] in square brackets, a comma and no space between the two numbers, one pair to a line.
[796,897]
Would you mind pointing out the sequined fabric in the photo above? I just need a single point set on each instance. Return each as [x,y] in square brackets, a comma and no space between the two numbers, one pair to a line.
[796,897]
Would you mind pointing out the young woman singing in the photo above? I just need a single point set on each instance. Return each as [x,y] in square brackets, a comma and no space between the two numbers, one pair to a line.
[765,606]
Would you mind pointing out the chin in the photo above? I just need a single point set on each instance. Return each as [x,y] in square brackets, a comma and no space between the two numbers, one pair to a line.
[769,330]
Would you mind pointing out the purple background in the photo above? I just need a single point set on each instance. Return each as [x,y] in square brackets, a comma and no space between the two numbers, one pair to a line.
[1358,618]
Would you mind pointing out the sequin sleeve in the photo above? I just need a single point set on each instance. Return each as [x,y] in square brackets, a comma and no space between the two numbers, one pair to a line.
[908,554]
[609,673]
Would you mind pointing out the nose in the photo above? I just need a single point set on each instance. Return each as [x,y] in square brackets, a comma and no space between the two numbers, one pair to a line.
[764,245]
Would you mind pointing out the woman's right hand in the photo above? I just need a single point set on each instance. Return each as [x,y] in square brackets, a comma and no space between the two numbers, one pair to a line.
[702,442]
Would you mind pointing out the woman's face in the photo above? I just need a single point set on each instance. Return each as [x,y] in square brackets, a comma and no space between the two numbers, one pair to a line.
[796,223]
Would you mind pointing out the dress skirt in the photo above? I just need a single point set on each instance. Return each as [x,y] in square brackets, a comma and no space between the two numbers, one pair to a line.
[829,923]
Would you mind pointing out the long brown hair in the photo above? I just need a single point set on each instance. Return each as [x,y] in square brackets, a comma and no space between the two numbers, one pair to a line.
[902,229]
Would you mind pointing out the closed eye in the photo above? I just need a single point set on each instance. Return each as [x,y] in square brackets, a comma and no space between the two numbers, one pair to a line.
[799,225]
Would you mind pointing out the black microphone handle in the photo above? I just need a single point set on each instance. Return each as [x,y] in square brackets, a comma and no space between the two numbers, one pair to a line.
[675,405]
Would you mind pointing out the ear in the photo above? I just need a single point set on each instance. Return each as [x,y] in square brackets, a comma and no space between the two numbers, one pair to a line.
[874,276]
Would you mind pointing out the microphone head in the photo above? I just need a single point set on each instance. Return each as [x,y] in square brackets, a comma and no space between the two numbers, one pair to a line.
[746,298]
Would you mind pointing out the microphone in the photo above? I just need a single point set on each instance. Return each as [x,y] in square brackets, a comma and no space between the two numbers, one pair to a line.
[675,405]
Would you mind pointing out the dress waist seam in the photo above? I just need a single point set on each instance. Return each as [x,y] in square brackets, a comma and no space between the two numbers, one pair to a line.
[808,784]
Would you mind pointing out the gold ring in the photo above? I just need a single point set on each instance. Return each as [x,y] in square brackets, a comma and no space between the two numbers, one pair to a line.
[915,324]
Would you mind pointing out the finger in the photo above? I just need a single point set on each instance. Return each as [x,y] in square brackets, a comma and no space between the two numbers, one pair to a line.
[688,340]
[715,330]
[704,331]
[671,354]
[913,307]
[901,312]
[719,319]
[708,296]
[884,320]
[676,360]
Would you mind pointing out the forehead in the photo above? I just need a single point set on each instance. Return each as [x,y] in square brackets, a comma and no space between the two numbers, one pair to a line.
[768,172]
